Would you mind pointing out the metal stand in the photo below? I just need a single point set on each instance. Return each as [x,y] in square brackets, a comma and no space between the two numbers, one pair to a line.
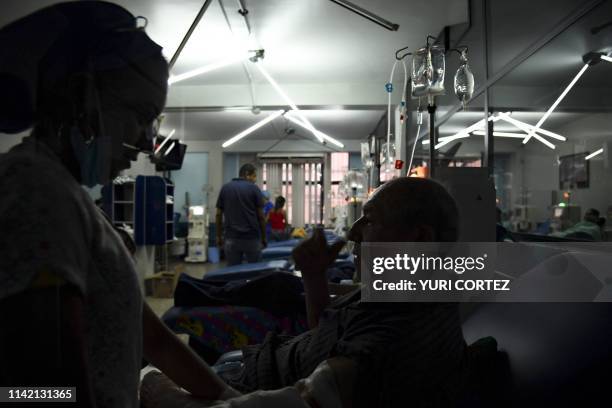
[431,109]
[354,203]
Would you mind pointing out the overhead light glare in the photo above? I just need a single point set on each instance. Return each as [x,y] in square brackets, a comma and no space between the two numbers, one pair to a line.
[253,128]
[556,103]
[289,102]
[323,135]
[210,67]
[606,58]
[596,153]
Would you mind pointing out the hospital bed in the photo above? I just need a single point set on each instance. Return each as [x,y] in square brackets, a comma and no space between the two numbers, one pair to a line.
[217,328]
[283,249]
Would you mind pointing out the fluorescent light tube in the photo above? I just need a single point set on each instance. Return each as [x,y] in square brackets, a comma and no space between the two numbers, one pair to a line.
[557,102]
[525,128]
[323,135]
[170,149]
[550,134]
[606,58]
[596,153]
[166,140]
[208,68]
[288,100]
[253,128]
[459,135]
[498,116]
[172,132]
[440,139]
[501,134]
[449,139]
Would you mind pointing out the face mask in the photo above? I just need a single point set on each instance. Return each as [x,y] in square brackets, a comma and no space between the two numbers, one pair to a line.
[91,158]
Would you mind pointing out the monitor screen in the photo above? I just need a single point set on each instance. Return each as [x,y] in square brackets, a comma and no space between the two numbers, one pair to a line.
[172,158]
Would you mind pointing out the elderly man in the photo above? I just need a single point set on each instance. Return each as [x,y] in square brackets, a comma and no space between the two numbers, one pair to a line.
[406,354]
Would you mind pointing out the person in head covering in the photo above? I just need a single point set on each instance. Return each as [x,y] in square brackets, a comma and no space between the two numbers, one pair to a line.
[90,83]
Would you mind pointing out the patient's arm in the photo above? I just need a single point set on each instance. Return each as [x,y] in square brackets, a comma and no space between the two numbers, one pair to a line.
[173,357]
[312,257]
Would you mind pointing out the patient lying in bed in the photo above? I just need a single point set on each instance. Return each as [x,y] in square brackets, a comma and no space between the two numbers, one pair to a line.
[330,385]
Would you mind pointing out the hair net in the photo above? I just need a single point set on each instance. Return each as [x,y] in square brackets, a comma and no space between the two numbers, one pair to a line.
[39,52]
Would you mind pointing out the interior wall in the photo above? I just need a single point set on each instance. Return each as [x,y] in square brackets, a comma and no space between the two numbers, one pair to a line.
[230,166]
[192,178]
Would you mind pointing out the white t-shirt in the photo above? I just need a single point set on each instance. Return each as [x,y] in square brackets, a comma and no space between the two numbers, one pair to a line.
[49,223]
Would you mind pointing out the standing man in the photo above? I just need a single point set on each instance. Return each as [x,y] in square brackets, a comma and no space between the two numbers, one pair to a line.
[240,203]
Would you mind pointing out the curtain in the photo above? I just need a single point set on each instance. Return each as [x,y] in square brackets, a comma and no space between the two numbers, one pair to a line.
[274,179]
[298,197]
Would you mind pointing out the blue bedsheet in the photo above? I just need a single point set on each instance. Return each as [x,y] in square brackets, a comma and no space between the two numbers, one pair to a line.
[247,270]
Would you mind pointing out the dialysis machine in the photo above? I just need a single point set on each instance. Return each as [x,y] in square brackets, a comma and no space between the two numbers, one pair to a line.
[197,238]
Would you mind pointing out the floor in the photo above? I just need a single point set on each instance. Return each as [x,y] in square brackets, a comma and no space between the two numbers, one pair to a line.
[197,270]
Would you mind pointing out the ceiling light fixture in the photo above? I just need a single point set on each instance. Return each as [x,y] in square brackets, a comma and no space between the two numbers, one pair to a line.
[170,148]
[501,134]
[289,102]
[449,139]
[606,58]
[367,14]
[210,67]
[253,128]
[596,153]
[525,128]
[323,135]
[550,110]
[498,116]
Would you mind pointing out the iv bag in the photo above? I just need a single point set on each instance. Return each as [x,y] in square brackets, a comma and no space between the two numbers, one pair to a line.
[366,158]
[428,67]
[464,80]
[387,152]
[356,179]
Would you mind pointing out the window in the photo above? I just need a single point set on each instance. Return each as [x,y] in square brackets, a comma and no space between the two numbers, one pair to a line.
[339,168]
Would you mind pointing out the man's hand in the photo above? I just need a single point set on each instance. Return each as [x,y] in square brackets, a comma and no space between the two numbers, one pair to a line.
[314,255]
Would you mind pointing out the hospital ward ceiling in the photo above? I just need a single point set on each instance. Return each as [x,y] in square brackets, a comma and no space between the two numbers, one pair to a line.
[334,64]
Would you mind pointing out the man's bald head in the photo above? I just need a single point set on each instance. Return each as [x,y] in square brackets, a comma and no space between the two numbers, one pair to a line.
[409,202]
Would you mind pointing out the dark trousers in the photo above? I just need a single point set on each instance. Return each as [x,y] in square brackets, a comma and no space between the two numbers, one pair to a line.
[237,249]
